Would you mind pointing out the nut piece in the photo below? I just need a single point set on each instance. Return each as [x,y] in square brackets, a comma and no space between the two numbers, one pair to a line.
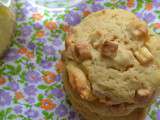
[79,82]
[144,56]
[83,50]
[141,32]
[143,92]
[109,49]
[143,95]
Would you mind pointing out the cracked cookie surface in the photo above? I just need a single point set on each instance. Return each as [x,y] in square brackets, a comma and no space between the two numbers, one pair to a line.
[119,58]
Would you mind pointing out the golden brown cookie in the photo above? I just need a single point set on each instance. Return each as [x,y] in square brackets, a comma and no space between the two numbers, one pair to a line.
[7,26]
[112,64]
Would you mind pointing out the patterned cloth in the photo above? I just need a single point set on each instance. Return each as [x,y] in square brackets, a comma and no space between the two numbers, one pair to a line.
[31,87]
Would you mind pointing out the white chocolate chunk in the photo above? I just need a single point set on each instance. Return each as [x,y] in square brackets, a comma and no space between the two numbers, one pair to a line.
[143,55]
[144,95]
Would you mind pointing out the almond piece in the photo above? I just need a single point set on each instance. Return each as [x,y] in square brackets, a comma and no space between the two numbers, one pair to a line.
[143,92]
[83,50]
[109,49]
[141,33]
[143,95]
[79,82]
[143,55]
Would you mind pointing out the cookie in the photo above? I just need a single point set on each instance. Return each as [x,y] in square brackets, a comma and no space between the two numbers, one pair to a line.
[7,26]
[84,108]
[112,64]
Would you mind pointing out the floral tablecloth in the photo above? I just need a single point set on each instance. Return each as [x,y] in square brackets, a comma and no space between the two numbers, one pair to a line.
[31,87]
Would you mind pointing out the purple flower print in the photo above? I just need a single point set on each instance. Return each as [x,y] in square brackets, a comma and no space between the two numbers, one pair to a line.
[156,3]
[21,40]
[58,78]
[33,76]
[57,42]
[42,40]
[30,100]
[61,110]
[38,26]
[82,6]
[11,55]
[123,7]
[149,17]
[24,11]
[5,98]
[46,64]
[30,90]
[26,30]
[96,7]
[17,109]
[140,15]
[49,50]
[158,115]
[72,18]
[27,4]
[57,93]
[14,86]
[20,16]
[31,45]
[31,113]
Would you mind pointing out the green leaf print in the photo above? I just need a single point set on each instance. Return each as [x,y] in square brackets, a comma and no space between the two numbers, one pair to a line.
[2,115]
[18,69]
[38,104]
[6,88]
[39,53]
[64,119]
[23,79]
[19,5]
[11,117]
[8,110]
[90,1]
[148,1]
[22,60]
[5,113]
[50,59]
[27,105]
[48,116]
[42,87]
[22,117]
[11,70]
[40,97]
[15,101]
[45,113]
[139,6]
[120,4]
[110,5]
[153,115]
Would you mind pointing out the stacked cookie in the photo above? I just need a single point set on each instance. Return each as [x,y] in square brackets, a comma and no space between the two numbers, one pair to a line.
[7,26]
[112,66]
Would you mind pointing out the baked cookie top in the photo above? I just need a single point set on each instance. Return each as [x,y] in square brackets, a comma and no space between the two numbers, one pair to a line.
[113,57]
[7,25]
